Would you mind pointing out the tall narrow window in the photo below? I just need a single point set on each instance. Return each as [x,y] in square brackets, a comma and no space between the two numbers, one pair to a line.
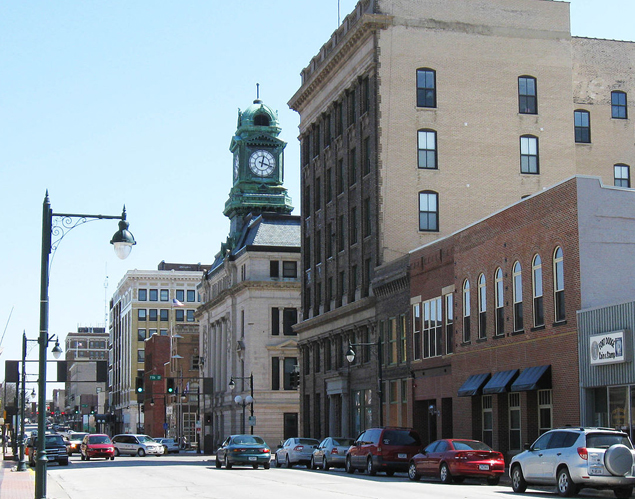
[618,105]
[426,88]
[482,307]
[622,175]
[428,211]
[327,130]
[529,154]
[352,107]
[366,158]
[352,225]
[536,273]
[341,233]
[352,166]
[275,373]
[488,420]
[329,185]
[518,297]
[545,411]
[449,323]
[416,336]
[582,123]
[527,96]
[500,302]
[558,284]
[340,176]
[367,217]
[514,422]
[427,149]
[467,336]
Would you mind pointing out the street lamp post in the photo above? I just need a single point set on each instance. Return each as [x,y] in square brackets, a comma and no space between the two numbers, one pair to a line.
[249,399]
[350,356]
[58,225]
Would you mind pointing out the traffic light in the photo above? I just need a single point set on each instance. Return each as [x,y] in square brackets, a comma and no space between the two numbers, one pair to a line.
[143,408]
[170,385]
[76,409]
[139,384]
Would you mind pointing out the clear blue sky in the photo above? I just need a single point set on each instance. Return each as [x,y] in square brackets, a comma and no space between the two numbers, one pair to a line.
[129,101]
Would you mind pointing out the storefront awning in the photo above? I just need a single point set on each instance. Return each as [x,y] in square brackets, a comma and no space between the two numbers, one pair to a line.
[533,378]
[500,382]
[473,384]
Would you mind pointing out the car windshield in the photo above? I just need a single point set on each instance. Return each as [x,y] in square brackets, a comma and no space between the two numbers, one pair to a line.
[248,439]
[144,439]
[470,445]
[344,442]
[77,436]
[308,441]
[54,440]
[99,439]
[401,437]
[605,440]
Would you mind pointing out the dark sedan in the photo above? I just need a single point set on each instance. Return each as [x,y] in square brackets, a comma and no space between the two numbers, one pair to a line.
[456,459]
[245,450]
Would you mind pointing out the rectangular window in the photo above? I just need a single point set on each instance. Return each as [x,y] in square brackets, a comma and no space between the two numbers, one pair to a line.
[500,303]
[467,333]
[365,95]
[141,355]
[427,149]
[340,176]
[449,323]
[163,332]
[488,420]
[327,130]
[275,373]
[143,295]
[352,225]
[366,153]
[529,155]
[142,314]
[341,287]
[339,119]
[539,314]
[289,319]
[316,140]
[582,124]
[153,315]
[329,185]
[432,328]
[317,358]
[318,247]
[527,99]
[318,194]
[165,295]
[274,269]
[191,295]
[367,224]
[426,88]
[622,176]
[289,269]
[289,367]
[328,359]
[428,212]
[416,331]
[341,231]
[353,286]
[366,277]
[618,105]
[329,242]
[180,295]
[352,166]
[402,338]
[151,332]
[179,315]
[518,298]
[275,321]
[154,295]
[545,411]
[141,333]
[482,308]
[514,422]
[165,315]
[352,105]
[190,316]
[558,285]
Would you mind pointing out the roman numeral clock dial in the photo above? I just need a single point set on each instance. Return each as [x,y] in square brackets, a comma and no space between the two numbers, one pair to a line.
[262,163]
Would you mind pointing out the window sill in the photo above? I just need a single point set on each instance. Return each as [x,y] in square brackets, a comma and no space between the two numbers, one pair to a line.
[498,336]
[481,340]
[466,343]
[537,328]
[560,323]
[516,333]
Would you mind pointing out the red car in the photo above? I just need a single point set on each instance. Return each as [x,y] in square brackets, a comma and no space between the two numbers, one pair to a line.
[454,459]
[97,445]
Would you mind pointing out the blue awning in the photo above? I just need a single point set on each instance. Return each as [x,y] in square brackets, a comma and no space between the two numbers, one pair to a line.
[533,378]
[473,384]
[500,382]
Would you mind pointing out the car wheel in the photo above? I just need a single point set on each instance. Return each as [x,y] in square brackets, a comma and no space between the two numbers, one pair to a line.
[165,450]
[287,462]
[313,466]
[444,474]
[112,458]
[117,452]
[348,466]
[64,462]
[518,480]
[325,465]
[623,493]
[266,466]
[566,487]
[227,463]
[141,453]
[218,463]
[412,472]
[254,466]
[370,467]
[493,480]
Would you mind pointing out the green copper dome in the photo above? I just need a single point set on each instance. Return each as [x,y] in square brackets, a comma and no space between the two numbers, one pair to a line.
[258,115]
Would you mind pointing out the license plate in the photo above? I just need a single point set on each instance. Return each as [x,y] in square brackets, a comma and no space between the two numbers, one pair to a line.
[595,471]
[402,456]
[483,466]
[253,458]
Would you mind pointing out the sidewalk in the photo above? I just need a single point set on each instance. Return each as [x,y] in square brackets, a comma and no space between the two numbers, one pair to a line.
[15,484]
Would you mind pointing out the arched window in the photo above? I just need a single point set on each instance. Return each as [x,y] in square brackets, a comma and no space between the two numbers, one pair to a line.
[582,124]
[536,277]
[527,95]
[482,307]
[426,88]
[467,336]
[429,211]
[261,120]
[500,302]
[558,284]
[518,297]
[427,149]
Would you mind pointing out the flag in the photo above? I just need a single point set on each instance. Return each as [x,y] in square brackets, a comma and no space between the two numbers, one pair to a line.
[177,303]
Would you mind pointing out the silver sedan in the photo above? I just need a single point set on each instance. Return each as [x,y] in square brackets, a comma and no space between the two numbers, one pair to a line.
[331,453]
[296,451]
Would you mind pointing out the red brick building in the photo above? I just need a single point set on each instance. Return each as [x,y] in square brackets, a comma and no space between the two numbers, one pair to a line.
[494,333]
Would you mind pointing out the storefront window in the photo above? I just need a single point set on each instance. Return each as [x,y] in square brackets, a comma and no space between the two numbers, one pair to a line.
[600,404]
[619,408]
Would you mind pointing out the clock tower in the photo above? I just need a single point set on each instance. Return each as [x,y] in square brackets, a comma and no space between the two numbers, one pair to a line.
[258,166]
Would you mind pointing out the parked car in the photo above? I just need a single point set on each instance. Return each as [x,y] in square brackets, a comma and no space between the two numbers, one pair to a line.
[249,450]
[136,445]
[74,442]
[169,445]
[97,445]
[296,451]
[456,459]
[331,452]
[383,449]
[574,458]
[55,449]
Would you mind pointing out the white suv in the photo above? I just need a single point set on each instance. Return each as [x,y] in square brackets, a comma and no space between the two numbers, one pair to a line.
[575,458]
[136,445]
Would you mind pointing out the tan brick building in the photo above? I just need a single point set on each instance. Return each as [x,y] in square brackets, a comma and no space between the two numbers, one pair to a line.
[416,119]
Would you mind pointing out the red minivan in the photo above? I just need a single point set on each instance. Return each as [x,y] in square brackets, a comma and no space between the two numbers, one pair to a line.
[387,449]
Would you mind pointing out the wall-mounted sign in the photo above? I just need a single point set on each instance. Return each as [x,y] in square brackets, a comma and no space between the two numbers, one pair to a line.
[611,348]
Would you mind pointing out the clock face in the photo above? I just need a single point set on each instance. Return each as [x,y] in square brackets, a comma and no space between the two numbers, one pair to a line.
[236,166]
[262,163]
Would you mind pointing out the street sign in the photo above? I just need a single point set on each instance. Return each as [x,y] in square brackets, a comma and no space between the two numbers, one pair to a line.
[252,420]
[165,426]
[84,405]
[155,377]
